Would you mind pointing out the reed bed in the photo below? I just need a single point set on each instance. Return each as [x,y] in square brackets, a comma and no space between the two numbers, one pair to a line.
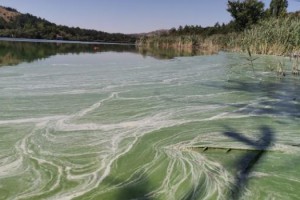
[184,43]
[273,36]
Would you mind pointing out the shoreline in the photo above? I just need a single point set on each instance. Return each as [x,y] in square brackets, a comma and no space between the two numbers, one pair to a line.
[61,41]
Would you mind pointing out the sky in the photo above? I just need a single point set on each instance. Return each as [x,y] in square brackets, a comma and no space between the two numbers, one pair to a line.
[130,16]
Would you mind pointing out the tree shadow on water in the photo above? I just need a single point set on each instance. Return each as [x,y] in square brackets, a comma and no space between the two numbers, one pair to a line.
[246,164]
[273,97]
[137,188]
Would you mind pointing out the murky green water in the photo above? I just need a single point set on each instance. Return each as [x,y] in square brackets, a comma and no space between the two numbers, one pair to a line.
[80,124]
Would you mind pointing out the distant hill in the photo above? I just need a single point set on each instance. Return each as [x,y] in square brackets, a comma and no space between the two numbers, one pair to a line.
[18,25]
[8,14]
[153,33]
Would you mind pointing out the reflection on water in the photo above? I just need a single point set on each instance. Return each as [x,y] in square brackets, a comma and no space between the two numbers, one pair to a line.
[16,52]
[13,53]
[163,53]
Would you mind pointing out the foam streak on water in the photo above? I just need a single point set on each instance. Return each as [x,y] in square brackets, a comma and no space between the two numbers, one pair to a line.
[119,126]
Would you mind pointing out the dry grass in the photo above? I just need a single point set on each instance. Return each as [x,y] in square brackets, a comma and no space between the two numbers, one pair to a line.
[187,43]
[7,15]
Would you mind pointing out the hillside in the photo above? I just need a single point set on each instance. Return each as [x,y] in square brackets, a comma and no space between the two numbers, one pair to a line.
[153,33]
[18,25]
[8,14]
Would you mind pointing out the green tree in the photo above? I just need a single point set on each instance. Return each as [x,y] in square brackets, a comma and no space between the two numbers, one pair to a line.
[180,29]
[278,7]
[246,12]
[173,31]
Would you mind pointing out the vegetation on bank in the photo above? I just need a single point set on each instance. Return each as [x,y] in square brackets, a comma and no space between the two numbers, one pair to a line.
[271,31]
[276,36]
[28,26]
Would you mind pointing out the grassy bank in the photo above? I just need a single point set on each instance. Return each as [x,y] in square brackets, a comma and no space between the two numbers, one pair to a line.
[271,36]
[184,43]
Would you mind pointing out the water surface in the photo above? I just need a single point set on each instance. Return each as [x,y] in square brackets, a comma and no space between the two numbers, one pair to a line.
[90,123]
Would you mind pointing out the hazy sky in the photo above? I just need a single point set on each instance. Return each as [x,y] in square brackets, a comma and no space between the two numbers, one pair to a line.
[129,16]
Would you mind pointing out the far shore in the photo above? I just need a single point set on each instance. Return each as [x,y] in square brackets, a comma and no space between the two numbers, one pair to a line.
[61,41]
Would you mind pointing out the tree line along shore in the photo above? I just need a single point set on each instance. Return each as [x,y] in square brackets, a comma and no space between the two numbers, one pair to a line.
[271,31]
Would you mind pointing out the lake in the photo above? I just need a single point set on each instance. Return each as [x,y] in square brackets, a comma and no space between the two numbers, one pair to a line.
[81,121]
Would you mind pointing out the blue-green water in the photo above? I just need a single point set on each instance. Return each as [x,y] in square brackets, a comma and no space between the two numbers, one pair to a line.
[119,125]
